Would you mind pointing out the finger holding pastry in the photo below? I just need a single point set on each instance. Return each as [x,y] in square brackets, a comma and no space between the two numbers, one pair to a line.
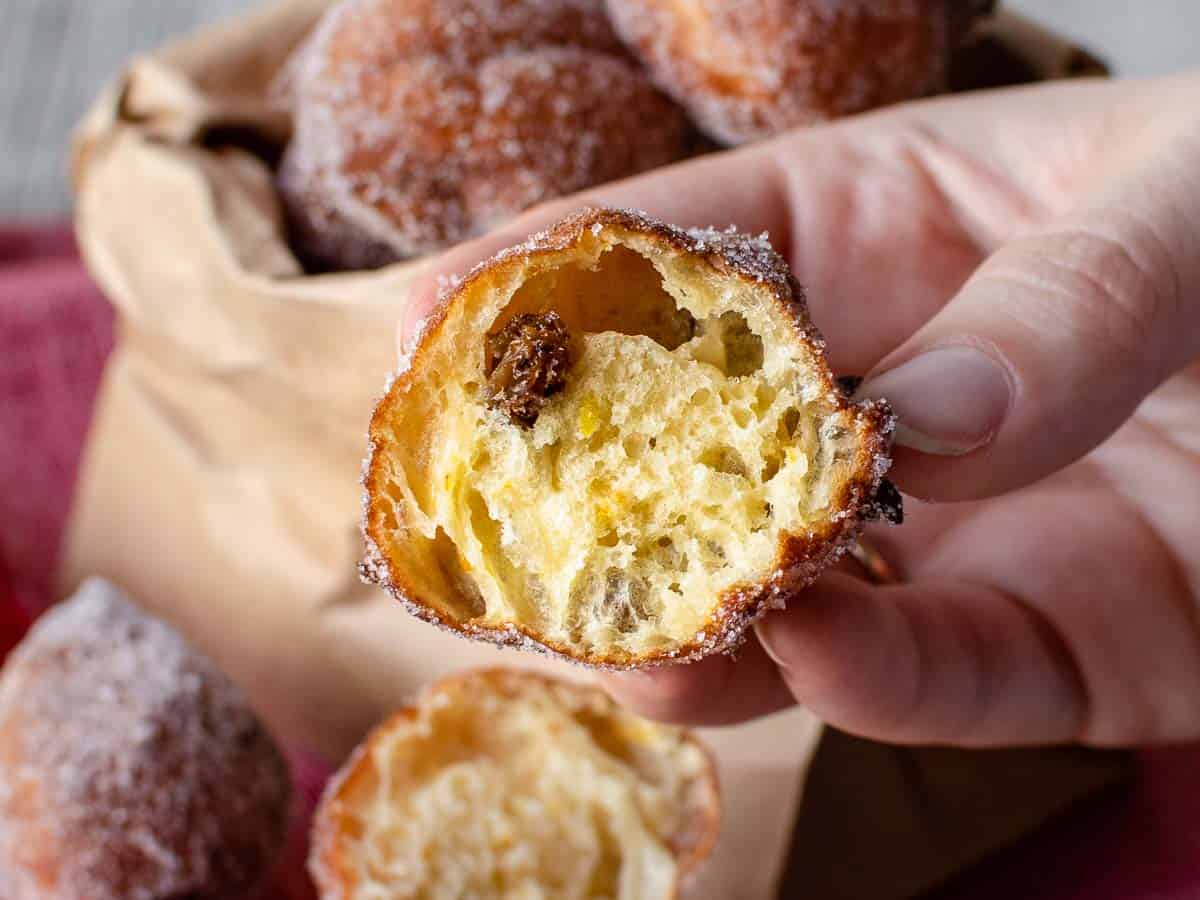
[1013,623]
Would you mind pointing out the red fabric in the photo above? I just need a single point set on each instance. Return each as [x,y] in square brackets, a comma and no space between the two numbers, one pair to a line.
[1139,842]
[54,336]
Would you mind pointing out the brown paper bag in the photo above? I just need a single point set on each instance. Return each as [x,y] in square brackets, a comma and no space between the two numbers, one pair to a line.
[220,485]
[1009,49]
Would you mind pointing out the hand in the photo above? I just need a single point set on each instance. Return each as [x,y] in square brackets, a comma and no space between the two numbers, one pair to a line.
[1019,274]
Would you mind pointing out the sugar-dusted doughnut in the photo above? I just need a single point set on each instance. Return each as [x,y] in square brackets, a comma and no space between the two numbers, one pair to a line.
[751,70]
[419,123]
[620,442]
[130,768]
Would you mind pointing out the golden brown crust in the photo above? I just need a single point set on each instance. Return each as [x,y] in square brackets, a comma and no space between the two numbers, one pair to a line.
[329,862]
[801,557]
[751,71]
[420,123]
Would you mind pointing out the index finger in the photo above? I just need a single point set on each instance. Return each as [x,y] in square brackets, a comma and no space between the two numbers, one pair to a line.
[881,217]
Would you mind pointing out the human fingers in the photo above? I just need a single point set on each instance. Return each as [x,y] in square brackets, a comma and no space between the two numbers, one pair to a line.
[1057,338]
[943,661]
[720,690]
[882,217]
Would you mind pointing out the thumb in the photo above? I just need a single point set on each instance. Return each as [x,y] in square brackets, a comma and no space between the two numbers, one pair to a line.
[1051,345]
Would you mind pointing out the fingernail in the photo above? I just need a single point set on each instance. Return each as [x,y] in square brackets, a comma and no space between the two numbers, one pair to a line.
[948,401]
[763,629]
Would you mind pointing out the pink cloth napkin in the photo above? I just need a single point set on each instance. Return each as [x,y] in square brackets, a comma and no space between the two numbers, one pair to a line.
[55,333]
[1137,842]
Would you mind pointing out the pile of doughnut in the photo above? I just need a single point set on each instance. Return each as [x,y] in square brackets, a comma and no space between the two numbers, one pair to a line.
[131,768]
[418,124]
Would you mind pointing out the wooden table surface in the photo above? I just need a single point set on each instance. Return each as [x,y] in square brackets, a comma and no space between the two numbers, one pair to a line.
[55,55]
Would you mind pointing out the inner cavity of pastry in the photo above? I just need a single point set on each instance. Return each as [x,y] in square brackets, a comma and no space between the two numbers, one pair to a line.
[683,437]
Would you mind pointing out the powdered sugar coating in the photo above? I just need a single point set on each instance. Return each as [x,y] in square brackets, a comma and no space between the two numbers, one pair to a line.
[130,767]
[802,557]
[750,254]
[380,774]
[420,123]
[747,71]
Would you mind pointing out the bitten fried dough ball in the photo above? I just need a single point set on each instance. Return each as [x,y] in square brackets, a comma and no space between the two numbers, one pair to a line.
[419,123]
[619,442]
[504,784]
[130,768]
[747,71]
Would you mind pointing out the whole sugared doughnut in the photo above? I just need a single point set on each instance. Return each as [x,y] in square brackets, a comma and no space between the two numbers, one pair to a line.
[751,70]
[419,123]
[130,767]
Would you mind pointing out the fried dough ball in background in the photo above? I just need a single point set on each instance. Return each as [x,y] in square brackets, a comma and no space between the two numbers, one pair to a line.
[503,783]
[421,123]
[747,71]
[130,767]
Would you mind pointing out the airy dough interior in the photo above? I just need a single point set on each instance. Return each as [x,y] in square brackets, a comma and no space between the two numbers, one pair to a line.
[690,436]
[546,793]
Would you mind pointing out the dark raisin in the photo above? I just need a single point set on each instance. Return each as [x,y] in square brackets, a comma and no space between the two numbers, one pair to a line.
[527,362]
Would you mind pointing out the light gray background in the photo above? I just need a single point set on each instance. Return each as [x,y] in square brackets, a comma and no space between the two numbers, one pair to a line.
[56,54]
